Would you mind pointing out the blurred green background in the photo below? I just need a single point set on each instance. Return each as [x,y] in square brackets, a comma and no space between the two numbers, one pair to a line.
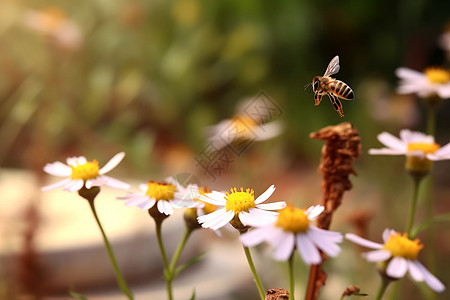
[147,77]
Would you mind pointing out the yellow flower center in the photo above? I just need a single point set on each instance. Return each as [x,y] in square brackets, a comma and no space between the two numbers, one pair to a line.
[424,147]
[240,201]
[437,75]
[292,219]
[401,245]
[160,191]
[85,171]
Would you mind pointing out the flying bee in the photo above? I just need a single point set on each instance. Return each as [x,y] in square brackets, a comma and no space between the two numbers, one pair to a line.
[335,89]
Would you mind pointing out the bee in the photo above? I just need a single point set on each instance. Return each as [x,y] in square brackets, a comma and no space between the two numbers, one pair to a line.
[335,89]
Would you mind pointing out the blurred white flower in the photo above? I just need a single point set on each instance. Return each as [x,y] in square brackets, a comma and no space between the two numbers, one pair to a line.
[434,81]
[80,172]
[291,229]
[239,208]
[400,253]
[54,23]
[412,143]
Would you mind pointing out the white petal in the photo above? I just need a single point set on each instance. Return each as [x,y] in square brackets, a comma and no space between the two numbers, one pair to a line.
[415,271]
[215,198]
[308,250]
[285,246]
[179,203]
[164,207]
[323,243]
[441,154]
[264,196]
[335,237]
[74,185]
[143,187]
[254,237]
[58,169]
[409,74]
[385,151]
[392,142]
[409,136]
[112,182]
[257,217]
[272,206]
[267,131]
[216,219]
[443,91]
[363,242]
[397,267]
[56,185]
[76,161]
[314,211]
[378,255]
[147,204]
[387,234]
[434,283]
[112,163]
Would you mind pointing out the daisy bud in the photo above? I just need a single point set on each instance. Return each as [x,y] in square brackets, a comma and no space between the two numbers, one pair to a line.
[418,166]
[190,219]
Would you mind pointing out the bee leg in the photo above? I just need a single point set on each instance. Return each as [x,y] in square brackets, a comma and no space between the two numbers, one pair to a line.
[336,104]
[317,99]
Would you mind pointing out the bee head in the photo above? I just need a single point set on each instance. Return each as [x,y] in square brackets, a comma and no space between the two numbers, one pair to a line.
[315,84]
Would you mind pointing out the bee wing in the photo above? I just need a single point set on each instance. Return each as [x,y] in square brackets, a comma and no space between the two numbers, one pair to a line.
[333,67]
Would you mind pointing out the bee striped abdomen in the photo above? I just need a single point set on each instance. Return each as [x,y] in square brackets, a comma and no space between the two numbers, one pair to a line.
[342,90]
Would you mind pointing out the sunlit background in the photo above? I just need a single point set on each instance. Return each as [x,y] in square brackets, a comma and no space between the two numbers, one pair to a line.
[148,78]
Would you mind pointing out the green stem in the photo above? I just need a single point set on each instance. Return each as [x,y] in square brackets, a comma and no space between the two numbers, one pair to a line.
[177,253]
[167,271]
[431,119]
[255,275]
[120,280]
[382,289]
[412,211]
[291,277]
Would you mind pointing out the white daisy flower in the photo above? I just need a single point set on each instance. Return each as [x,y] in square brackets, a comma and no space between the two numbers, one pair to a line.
[412,143]
[434,81]
[239,208]
[81,173]
[166,196]
[291,229]
[400,253]
[241,128]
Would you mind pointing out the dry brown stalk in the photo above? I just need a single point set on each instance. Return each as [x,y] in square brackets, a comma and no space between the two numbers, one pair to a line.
[341,148]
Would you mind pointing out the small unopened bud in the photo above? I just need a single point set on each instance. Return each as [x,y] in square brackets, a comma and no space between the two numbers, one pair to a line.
[190,219]
[352,290]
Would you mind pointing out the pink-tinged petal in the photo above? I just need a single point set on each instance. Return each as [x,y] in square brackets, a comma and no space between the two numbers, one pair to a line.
[76,161]
[272,206]
[397,267]
[387,233]
[409,74]
[74,185]
[112,163]
[335,237]
[112,182]
[215,198]
[415,271]
[378,255]
[179,203]
[56,185]
[267,131]
[362,242]
[283,250]
[308,251]
[323,243]
[257,217]
[392,141]
[149,203]
[164,207]
[443,91]
[58,169]
[386,151]
[264,196]
[254,237]
[416,153]
[441,154]
[434,283]
[409,136]
[314,211]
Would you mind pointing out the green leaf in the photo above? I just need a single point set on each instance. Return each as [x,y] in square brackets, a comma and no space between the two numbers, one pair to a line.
[189,263]
[425,224]
[193,295]
[77,296]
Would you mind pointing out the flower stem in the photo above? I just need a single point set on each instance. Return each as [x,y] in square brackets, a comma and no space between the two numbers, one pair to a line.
[255,275]
[291,277]
[167,271]
[120,280]
[177,253]
[382,289]
[412,211]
